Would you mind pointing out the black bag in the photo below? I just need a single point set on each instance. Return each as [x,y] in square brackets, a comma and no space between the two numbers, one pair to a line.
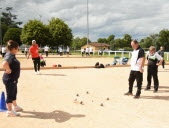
[97,64]
[101,66]
[59,65]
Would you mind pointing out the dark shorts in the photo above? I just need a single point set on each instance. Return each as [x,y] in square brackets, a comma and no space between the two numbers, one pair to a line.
[11,90]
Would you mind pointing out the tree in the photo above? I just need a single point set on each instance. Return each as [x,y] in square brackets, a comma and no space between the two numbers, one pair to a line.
[8,20]
[4,29]
[35,30]
[117,43]
[110,38]
[13,34]
[154,38]
[78,43]
[147,42]
[164,38]
[110,41]
[60,32]
[127,40]
[102,40]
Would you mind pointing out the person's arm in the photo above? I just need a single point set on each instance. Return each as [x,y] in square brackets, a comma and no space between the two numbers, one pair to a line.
[5,65]
[28,55]
[142,61]
[160,62]
[159,58]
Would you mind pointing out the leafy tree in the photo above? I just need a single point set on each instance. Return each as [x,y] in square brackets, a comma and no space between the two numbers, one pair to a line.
[4,29]
[110,38]
[127,40]
[102,40]
[117,43]
[60,32]
[35,30]
[147,42]
[13,34]
[110,41]
[164,38]
[8,20]
[78,43]
[154,38]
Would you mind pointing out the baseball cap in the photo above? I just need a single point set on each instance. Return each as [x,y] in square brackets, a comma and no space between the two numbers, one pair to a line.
[33,40]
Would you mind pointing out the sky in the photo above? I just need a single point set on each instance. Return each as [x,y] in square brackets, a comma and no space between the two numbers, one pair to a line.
[139,18]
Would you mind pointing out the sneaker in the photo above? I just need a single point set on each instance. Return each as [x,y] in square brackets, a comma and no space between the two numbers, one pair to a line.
[38,73]
[12,113]
[17,109]
[128,93]
[136,96]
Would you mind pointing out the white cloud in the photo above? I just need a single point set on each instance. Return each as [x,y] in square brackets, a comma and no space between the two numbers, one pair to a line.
[106,17]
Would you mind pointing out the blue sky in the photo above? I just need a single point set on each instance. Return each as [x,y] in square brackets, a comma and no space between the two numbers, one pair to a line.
[139,18]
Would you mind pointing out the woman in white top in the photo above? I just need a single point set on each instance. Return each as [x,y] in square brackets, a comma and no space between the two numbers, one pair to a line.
[26,51]
[68,50]
[46,49]
[3,51]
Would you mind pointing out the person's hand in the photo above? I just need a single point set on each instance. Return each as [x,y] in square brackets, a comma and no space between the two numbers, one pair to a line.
[157,64]
[141,70]
[8,71]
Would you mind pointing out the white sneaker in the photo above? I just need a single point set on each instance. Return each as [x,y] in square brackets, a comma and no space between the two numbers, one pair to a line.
[38,73]
[17,109]
[12,113]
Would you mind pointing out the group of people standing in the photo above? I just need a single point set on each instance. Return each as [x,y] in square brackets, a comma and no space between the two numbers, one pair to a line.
[88,51]
[137,68]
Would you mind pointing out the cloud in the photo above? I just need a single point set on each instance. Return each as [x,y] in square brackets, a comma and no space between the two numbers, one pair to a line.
[106,17]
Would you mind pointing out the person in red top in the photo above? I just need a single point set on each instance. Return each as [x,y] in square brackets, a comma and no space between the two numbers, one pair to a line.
[33,51]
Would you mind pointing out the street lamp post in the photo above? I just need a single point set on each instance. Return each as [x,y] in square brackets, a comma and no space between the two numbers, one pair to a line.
[87,24]
[0,27]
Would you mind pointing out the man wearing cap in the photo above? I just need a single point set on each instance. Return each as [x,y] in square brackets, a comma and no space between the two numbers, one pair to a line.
[33,51]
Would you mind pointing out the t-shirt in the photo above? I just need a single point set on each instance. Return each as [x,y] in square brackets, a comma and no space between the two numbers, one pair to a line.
[67,49]
[161,53]
[91,49]
[46,49]
[87,49]
[152,59]
[34,51]
[3,50]
[14,65]
[60,50]
[26,49]
[136,59]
